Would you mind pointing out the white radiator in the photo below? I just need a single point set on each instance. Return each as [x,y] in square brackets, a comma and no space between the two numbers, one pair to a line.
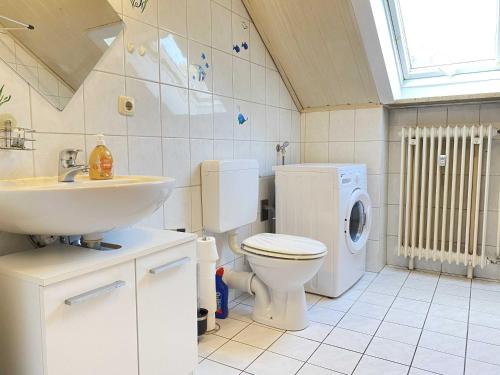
[444,193]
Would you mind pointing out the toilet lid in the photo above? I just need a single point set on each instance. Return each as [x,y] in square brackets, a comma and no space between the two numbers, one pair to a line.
[284,246]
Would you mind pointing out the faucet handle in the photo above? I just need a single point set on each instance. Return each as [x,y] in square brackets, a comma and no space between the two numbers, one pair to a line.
[68,156]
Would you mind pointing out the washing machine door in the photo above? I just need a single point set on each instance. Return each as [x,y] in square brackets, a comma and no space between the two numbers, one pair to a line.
[358,220]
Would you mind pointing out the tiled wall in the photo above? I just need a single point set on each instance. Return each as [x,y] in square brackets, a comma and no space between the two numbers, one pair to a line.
[487,113]
[354,136]
[179,121]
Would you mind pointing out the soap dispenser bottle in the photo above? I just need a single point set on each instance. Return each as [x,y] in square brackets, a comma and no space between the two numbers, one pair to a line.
[101,161]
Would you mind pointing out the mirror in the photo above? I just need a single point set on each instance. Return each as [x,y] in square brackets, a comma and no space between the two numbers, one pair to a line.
[54,44]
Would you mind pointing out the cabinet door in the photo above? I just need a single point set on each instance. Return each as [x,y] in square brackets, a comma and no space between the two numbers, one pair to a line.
[90,323]
[166,311]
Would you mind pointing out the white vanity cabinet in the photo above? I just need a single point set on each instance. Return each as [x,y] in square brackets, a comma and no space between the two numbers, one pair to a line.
[67,310]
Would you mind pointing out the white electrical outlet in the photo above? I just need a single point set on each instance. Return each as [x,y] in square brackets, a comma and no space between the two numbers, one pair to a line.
[126,105]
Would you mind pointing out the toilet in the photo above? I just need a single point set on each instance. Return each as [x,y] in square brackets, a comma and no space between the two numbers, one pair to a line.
[281,263]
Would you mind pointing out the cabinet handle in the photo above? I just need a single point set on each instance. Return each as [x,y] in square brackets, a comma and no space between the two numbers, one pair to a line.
[94,293]
[168,266]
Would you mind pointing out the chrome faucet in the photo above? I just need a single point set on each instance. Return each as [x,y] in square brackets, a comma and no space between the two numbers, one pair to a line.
[68,169]
[282,149]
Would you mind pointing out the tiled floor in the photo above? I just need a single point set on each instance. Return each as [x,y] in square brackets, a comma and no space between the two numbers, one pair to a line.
[391,323]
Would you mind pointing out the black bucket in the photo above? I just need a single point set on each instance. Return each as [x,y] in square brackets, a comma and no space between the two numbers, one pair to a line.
[202,321]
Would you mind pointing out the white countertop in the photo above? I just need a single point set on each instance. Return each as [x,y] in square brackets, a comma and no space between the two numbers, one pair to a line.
[60,262]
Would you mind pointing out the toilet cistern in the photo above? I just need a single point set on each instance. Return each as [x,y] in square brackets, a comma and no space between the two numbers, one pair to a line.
[282,150]
[68,169]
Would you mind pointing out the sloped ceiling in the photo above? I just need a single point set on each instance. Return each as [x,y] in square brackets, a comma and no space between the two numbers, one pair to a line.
[318,50]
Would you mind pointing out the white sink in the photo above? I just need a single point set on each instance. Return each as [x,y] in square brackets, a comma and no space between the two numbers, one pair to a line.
[44,206]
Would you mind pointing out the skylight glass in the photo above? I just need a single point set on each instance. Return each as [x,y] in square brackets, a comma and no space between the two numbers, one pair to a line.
[439,37]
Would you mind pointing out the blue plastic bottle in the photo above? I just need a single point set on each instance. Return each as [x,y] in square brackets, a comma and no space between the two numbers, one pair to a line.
[222,294]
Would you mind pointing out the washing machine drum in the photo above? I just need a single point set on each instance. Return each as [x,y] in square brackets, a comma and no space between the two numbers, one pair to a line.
[358,220]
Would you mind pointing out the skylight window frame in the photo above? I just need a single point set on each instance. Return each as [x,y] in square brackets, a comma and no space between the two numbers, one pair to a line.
[401,52]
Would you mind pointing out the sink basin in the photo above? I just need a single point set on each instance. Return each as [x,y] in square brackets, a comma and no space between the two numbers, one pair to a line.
[44,206]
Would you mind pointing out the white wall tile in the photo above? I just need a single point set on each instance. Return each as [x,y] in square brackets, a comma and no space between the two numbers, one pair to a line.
[141,35]
[241,79]
[101,92]
[201,149]
[173,59]
[200,57]
[257,50]
[223,117]
[223,149]
[177,209]
[317,126]
[316,152]
[177,161]
[342,125]
[47,151]
[200,115]
[146,119]
[172,16]
[259,131]
[221,28]
[242,131]
[272,87]
[148,14]
[370,125]
[174,111]
[285,125]
[272,124]
[145,156]
[341,152]
[223,82]
[258,83]
[241,36]
[199,21]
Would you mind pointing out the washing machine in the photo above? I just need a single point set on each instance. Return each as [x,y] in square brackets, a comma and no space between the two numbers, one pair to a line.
[329,203]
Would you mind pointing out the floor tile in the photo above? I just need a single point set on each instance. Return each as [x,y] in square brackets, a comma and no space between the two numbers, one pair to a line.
[483,352]
[230,327]
[438,362]
[315,331]
[207,344]
[398,332]
[442,343]
[484,334]
[454,290]
[487,295]
[309,369]
[448,300]
[377,299]
[241,312]
[347,339]
[236,355]
[417,371]
[359,323]
[449,312]
[312,299]
[376,366]
[391,350]
[455,280]
[399,316]
[422,284]
[339,304]
[486,284]
[250,301]
[369,310]
[325,316]
[446,326]
[274,364]
[335,359]
[257,335]
[294,346]
[489,307]
[473,367]
[484,319]
[424,295]
[411,305]
[208,367]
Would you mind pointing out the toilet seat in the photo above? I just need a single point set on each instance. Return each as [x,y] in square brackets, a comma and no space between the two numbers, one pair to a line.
[284,246]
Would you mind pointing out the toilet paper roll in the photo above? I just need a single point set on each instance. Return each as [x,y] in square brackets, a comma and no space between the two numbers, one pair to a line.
[207,258]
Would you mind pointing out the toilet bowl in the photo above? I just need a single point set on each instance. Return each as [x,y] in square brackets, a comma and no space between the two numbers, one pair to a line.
[283,263]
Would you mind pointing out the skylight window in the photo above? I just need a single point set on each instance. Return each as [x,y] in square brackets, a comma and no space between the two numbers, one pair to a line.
[445,37]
